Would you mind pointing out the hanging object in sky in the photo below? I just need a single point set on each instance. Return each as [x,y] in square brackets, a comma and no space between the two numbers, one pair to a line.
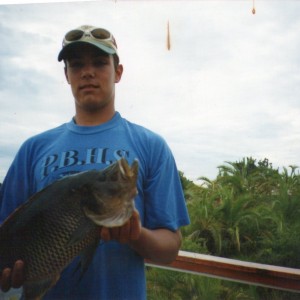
[253,9]
[168,37]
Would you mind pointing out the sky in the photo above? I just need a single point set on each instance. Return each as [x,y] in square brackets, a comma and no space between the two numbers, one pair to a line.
[228,88]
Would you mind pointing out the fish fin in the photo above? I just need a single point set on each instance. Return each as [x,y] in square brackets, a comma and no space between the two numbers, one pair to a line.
[80,232]
[35,290]
[87,255]
[86,258]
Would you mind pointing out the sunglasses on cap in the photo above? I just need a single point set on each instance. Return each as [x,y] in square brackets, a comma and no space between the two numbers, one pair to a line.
[100,34]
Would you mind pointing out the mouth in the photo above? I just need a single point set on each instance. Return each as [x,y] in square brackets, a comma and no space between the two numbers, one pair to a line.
[87,87]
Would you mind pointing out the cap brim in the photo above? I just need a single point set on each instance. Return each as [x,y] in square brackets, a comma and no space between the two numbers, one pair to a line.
[63,54]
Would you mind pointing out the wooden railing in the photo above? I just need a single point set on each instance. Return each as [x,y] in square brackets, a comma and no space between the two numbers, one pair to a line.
[235,270]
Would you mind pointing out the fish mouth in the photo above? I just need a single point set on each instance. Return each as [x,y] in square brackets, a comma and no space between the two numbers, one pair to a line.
[112,219]
[122,171]
[126,170]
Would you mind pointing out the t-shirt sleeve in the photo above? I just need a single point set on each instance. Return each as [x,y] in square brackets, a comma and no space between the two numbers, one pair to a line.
[15,189]
[165,206]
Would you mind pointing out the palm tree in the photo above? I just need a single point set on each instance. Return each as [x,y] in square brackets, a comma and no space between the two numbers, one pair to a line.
[240,222]
[205,229]
[286,198]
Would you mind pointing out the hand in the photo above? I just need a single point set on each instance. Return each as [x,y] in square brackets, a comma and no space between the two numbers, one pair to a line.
[131,230]
[12,277]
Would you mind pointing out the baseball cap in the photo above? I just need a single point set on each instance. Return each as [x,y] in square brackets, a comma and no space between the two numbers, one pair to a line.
[98,37]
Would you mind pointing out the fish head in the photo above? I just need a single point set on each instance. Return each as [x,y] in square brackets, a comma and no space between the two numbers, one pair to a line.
[110,200]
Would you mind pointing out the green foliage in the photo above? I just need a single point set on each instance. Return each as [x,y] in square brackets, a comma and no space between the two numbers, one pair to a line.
[163,284]
[249,212]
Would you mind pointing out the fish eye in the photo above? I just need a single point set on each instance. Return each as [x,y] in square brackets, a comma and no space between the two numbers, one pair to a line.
[101,177]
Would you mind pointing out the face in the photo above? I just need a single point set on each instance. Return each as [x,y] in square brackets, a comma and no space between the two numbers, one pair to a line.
[92,76]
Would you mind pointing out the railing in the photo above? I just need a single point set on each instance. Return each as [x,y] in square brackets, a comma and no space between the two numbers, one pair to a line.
[235,270]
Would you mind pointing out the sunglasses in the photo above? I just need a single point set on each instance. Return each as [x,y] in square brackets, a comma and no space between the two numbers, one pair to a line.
[99,34]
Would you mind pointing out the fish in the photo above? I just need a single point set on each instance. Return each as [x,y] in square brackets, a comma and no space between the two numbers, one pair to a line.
[63,221]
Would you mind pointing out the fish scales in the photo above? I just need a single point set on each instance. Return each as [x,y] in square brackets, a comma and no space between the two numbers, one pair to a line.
[52,232]
[62,221]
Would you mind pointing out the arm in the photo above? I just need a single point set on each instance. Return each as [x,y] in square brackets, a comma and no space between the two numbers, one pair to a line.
[159,245]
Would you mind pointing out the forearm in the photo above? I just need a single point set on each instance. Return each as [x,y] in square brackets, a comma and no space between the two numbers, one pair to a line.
[159,245]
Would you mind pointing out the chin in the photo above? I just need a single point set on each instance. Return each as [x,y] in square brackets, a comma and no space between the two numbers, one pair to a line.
[95,106]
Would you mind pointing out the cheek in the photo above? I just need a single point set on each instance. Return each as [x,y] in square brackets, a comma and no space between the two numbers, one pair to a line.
[73,85]
[71,79]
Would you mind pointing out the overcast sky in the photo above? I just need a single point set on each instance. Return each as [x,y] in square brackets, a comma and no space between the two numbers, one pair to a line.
[228,88]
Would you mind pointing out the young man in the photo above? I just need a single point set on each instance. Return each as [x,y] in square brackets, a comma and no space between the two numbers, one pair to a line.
[94,138]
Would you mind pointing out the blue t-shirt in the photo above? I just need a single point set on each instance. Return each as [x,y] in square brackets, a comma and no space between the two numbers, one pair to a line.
[116,272]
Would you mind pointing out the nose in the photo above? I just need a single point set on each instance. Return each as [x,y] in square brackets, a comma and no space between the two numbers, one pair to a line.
[87,71]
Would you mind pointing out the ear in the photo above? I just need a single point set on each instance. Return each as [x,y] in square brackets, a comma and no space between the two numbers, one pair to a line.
[119,73]
[66,74]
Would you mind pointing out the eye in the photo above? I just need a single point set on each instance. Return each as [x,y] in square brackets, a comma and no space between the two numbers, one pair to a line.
[100,62]
[75,64]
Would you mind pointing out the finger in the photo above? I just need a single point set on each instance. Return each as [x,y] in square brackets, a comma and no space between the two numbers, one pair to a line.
[135,226]
[17,277]
[115,233]
[125,232]
[6,280]
[105,234]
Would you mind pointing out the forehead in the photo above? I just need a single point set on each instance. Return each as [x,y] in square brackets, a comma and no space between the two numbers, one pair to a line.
[81,50]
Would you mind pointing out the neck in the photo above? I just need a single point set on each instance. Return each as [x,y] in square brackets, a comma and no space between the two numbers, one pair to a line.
[84,118]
